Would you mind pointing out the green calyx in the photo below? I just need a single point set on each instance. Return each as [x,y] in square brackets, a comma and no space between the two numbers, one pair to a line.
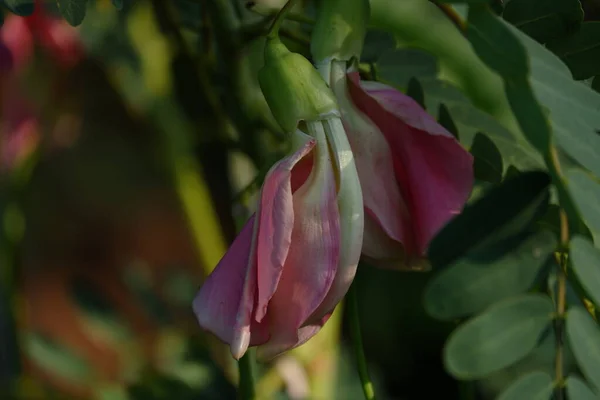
[292,87]
[340,30]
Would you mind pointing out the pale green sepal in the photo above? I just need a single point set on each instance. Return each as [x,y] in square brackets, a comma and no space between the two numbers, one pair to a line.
[340,30]
[293,88]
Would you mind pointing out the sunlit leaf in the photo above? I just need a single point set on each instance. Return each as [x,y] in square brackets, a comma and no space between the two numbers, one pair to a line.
[584,336]
[468,287]
[56,359]
[534,386]
[503,335]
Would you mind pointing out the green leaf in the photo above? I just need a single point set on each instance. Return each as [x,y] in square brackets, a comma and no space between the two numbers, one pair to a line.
[596,83]
[445,120]
[544,20]
[56,359]
[376,43]
[577,389]
[468,287]
[503,335]
[533,386]
[495,45]
[118,4]
[504,212]
[73,10]
[466,1]
[585,260]
[488,160]
[415,91]
[20,7]
[584,337]
[586,195]
[573,107]
[580,51]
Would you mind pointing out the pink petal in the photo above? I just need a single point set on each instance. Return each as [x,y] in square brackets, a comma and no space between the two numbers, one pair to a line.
[433,171]
[312,261]
[18,38]
[276,213]
[225,303]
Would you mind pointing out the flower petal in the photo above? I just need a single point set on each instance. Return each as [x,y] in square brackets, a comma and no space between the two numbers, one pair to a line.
[276,213]
[224,304]
[434,172]
[313,256]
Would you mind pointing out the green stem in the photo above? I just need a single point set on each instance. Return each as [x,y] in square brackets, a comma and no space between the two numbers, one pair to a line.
[279,18]
[246,385]
[357,344]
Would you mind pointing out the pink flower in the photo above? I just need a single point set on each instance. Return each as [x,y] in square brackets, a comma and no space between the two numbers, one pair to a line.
[414,174]
[296,257]
[55,36]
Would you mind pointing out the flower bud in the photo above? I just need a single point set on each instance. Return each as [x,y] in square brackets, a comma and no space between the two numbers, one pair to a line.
[292,87]
[340,30]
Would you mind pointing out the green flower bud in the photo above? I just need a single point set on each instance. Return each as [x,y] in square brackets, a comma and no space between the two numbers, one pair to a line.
[292,87]
[340,30]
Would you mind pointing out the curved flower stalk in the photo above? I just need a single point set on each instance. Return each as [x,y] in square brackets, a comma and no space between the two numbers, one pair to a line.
[297,255]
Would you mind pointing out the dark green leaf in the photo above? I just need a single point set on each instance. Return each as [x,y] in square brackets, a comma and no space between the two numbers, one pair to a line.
[487,159]
[584,337]
[445,120]
[466,1]
[468,287]
[20,7]
[495,45]
[585,259]
[586,195]
[506,211]
[511,172]
[596,83]
[73,10]
[415,91]
[578,390]
[376,43]
[503,335]
[580,51]
[534,386]
[118,4]
[544,20]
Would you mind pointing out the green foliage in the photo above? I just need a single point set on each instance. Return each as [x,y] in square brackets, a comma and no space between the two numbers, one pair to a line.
[504,334]
[470,286]
[580,51]
[73,10]
[577,389]
[584,337]
[585,260]
[20,7]
[504,213]
[544,20]
[487,159]
[533,386]
[586,192]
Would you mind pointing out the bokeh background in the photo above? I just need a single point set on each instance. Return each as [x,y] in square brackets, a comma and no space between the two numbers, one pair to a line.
[131,150]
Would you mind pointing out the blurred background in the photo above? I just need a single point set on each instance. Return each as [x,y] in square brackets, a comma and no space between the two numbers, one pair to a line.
[131,150]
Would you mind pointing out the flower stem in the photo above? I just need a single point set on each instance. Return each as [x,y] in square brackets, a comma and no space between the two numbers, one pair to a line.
[246,385]
[274,29]
[357,344]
